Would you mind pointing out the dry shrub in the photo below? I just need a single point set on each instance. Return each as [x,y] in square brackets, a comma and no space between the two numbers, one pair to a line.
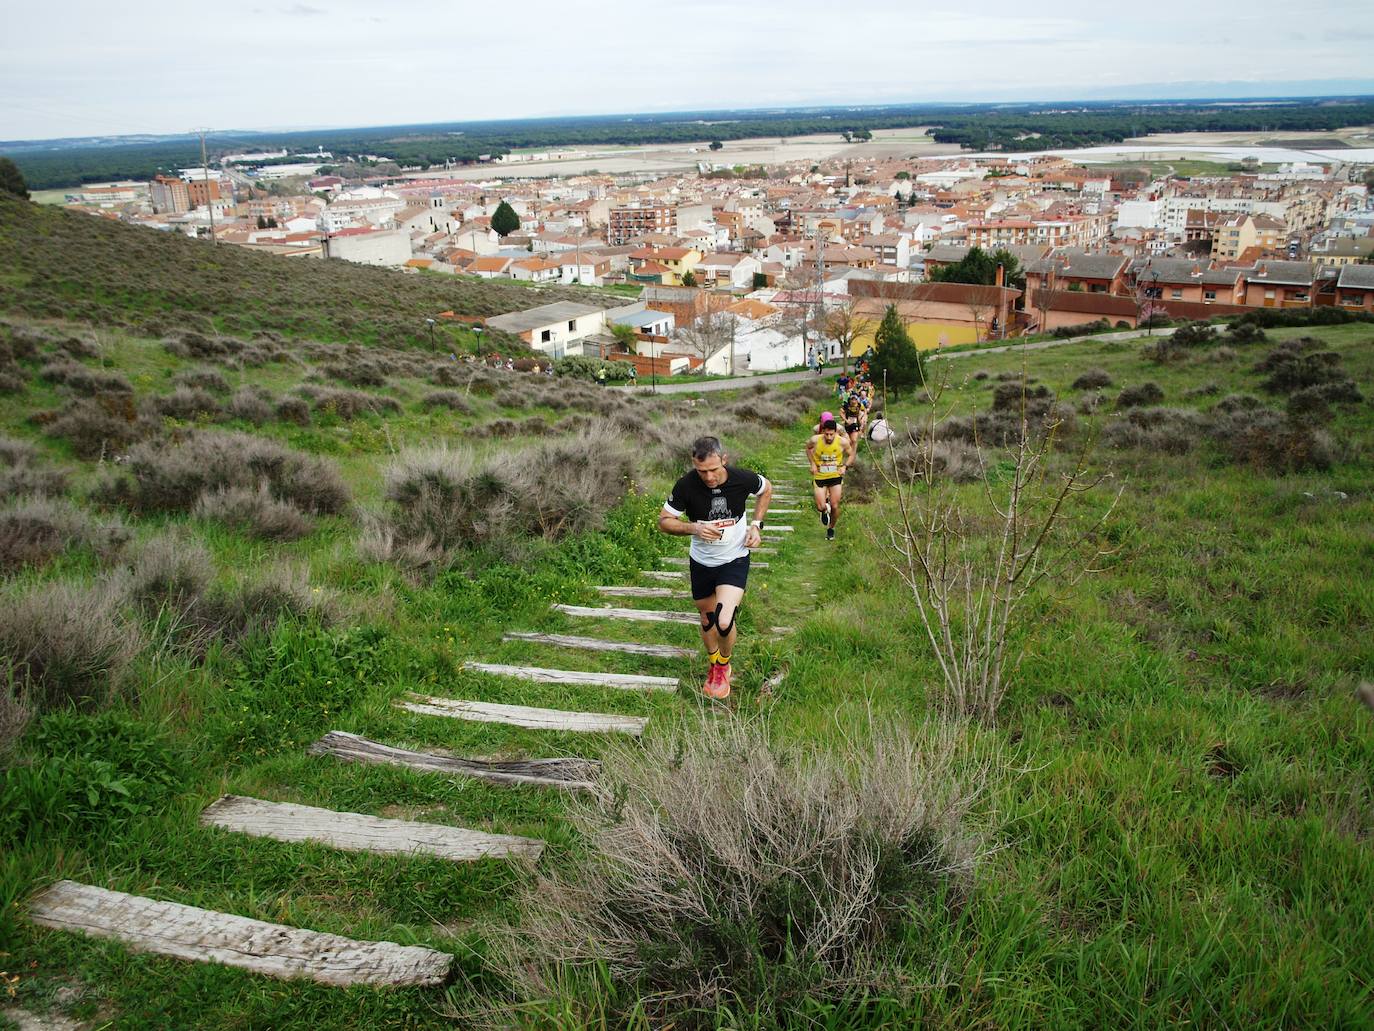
[14,717]
[418,559]
[82,380]
[1172,431]
[171,476]
[450,499]
[450,399]
[15,452]
[35,530]
[202,379]
[12,380]
[100,426]
[1313,404]
[255,512]
[1144,394]
[190,344]
[172,571]
[187,403]
[22,474]
[293,410]
[348,404]
[1209,389]
[1295,366]
[358,371]
[1093,379]
[170,582]
[66,643]
[252,405]
[721,870]
[1265,439]
[256,605]
[927,460]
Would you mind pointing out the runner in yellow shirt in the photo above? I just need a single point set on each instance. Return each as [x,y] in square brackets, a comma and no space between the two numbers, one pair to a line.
[829,453]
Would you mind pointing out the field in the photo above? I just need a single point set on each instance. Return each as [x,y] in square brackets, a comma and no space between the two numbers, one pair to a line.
[1179,785]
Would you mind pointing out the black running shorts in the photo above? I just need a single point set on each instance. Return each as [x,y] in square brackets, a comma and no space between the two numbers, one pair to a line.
[829,481]
[705,579]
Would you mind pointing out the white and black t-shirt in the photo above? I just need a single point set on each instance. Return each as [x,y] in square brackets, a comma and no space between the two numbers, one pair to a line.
[722,507]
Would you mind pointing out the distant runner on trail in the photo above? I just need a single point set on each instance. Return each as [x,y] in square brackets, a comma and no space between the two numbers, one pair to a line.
[708,505]
[829,454]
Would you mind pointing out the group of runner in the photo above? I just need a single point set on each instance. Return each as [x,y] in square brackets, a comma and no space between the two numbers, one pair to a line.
[708,504]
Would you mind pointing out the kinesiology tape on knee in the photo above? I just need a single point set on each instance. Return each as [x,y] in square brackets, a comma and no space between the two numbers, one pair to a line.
[725,628]
[710,619]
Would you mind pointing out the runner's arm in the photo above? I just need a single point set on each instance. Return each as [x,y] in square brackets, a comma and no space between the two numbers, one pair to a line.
[678,525]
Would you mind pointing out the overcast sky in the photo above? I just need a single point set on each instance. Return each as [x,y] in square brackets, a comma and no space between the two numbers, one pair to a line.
[86,68]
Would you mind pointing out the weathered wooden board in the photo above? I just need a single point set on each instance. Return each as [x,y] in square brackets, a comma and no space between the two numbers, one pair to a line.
[596,644]
[664,574]
[641,592]
[566,774]
[524,716]
[568,676]
[784,511]
[357,832]
[205,936]
[778,528]
[640,615]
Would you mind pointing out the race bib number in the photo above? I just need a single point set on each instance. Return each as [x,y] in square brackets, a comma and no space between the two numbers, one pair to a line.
[829,467]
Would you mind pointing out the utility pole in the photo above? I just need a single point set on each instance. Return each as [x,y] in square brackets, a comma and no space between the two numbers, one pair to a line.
[205,177]
[820,288]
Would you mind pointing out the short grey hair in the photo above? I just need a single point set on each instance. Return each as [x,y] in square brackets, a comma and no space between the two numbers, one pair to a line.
[704,447]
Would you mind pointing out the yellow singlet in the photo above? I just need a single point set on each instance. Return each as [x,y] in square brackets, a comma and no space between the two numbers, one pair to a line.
[829,458]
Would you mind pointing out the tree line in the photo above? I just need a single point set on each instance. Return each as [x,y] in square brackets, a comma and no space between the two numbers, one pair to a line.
[973,126]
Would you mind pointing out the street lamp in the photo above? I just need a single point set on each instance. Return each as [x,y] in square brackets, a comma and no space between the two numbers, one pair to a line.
[430,324]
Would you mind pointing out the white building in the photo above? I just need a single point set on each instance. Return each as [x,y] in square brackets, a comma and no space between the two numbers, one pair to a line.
[390,247]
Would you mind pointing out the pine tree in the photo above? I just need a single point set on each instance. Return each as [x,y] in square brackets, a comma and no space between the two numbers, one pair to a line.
[896,355]
[12,180]
[505,221]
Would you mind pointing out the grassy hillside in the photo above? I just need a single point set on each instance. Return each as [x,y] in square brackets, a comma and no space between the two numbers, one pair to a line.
[65,265]
[221,548]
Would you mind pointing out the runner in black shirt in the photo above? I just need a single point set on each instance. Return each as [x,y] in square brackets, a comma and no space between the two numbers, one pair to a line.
[708,505]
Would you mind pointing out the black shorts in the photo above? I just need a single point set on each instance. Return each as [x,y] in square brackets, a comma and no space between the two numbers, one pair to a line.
[829,481]
[705,579]
[852,427]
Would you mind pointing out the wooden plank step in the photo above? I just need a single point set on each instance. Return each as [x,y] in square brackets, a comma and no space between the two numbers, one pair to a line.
[674,560]
[567,676]
[664,574]
[565,774]
[596,644]
[641,592]
[357,832]
[524,716]
[205,936]
[784,511]
[642,615]
[776,528]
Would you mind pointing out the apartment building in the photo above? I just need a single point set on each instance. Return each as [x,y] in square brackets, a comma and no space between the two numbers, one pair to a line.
[637,221]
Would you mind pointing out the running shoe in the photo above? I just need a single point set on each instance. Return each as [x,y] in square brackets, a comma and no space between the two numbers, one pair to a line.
[723,681]
[830,534]
[825,515]
[715,687]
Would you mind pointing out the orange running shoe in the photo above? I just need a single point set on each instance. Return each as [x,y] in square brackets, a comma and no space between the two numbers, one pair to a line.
[717,684]
[723,674]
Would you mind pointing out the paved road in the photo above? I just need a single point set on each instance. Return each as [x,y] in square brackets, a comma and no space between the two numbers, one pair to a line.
[832,370]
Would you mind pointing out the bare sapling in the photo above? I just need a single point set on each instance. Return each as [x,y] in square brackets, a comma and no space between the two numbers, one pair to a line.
[971,568]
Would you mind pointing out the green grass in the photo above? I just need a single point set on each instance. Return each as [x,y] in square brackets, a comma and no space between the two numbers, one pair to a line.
[1184,825]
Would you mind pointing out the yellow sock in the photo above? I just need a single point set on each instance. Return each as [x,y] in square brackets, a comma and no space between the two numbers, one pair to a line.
[721,660]
[714,657]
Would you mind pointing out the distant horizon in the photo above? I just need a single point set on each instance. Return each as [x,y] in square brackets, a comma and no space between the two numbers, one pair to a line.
[1241,93]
